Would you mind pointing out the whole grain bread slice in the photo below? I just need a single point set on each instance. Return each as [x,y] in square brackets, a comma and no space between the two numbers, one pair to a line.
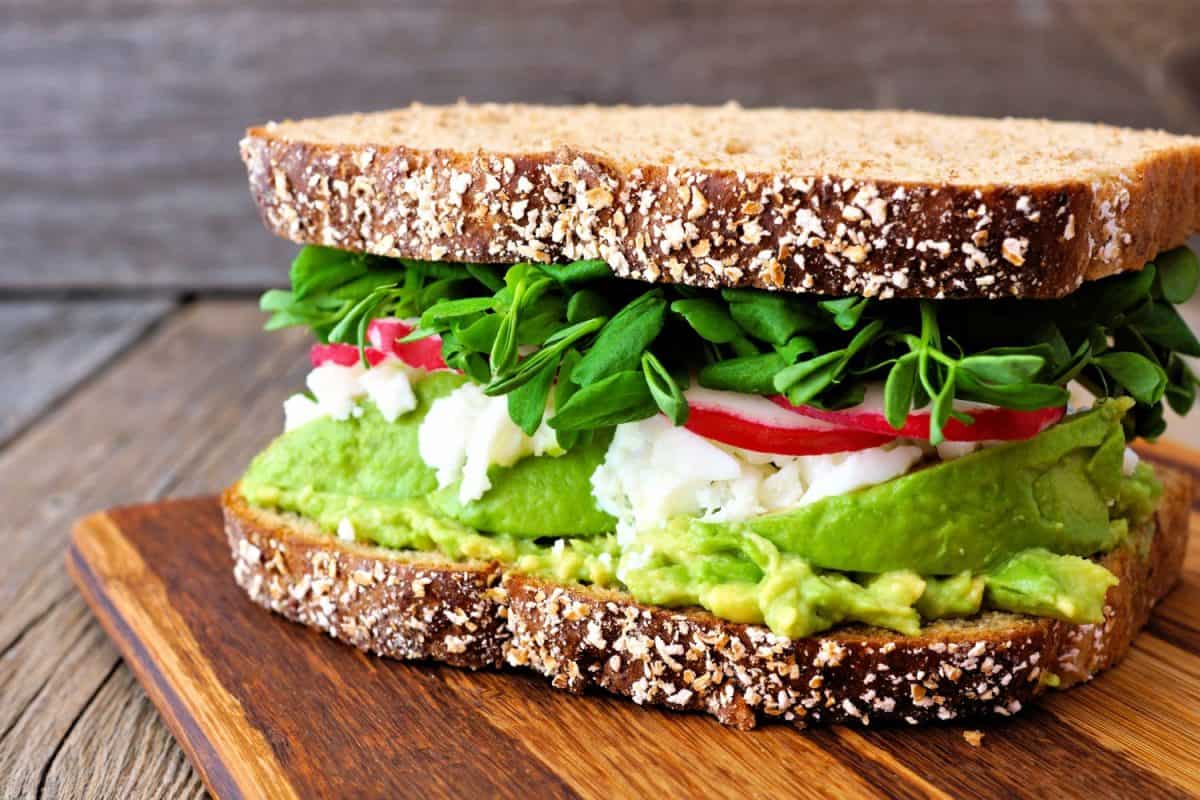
[878,203]
[395,603]
[419,606]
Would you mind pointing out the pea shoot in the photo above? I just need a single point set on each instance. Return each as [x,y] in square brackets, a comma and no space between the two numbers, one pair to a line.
[607,351]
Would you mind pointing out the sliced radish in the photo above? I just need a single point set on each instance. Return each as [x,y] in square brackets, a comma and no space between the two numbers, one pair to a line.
[385,333]
[754,423]
[991,422]
[344,355]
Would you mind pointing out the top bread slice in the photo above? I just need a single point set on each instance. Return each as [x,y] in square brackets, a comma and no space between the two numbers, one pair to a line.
[876,203]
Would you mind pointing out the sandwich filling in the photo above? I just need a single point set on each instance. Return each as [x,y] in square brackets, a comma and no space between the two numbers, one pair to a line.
[786,460]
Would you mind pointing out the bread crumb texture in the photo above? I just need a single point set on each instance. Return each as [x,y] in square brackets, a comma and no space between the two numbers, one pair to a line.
[875,203]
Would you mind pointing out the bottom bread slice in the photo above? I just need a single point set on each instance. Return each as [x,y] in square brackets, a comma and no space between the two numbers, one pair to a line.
[391,602]
[422,606]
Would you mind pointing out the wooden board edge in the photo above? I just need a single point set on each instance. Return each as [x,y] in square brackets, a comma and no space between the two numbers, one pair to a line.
[254,774]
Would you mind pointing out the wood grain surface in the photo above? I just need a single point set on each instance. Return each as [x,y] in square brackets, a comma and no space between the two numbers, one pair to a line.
[267,708]
[118,165]
[73,339]
[181,413]
[121,195]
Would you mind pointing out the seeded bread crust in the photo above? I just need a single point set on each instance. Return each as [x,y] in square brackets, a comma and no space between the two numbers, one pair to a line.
[994,663]
[396,604]
[385,183]
[582,638]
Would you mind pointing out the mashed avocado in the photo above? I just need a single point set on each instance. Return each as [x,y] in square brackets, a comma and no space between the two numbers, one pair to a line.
[1054,491]
[366,460]
[1003,528]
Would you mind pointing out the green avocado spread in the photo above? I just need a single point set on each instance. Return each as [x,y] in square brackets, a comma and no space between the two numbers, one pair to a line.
[1009,527]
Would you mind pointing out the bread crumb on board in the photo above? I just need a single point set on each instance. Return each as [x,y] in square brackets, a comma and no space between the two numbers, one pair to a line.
[974,738]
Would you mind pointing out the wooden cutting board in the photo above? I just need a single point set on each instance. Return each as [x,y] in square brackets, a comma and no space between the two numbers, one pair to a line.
[267,708]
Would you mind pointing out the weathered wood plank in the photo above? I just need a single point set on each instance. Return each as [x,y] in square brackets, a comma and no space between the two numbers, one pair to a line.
[205,380]
[1157,43]
[120,161]
[52,345]
[121,730]
[196,385]
[51,673]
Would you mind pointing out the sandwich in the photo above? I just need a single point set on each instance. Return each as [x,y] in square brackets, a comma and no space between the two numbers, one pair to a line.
[809,416]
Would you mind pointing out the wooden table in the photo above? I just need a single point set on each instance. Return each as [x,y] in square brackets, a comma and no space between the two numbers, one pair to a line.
[134,366]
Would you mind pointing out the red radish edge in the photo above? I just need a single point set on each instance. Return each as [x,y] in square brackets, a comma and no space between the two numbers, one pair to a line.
[990,422]
[344,355]
[385,333]
[752,423]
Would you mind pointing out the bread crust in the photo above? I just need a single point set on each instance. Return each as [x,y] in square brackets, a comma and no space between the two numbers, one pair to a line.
[709,227]
[401,605]
[583,638]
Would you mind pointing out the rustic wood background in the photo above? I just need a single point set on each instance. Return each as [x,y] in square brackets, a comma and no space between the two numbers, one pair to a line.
[133,365]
